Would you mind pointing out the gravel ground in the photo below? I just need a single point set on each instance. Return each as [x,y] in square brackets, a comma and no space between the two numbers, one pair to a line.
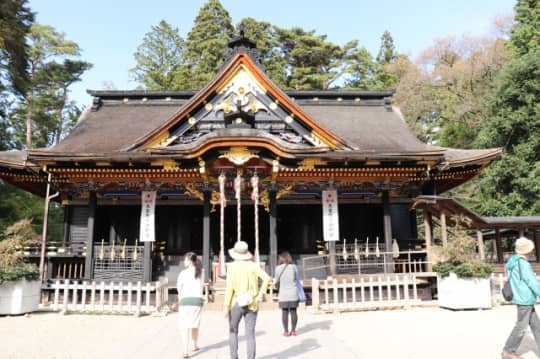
[415,333]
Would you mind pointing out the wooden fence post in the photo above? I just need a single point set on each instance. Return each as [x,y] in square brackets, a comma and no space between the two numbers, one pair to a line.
[315,294]
[66,295]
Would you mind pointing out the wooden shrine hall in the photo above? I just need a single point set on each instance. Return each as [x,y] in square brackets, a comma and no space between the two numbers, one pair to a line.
[452,213]
[240,158]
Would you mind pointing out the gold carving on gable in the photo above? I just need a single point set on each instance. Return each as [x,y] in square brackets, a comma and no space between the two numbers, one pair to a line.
[239,155]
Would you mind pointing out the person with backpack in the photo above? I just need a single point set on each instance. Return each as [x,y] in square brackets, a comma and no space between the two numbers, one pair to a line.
[525,290]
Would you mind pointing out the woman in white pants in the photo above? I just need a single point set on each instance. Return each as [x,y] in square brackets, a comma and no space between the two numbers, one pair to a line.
[190,285]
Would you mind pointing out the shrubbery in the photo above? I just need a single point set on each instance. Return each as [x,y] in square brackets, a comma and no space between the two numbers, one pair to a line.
[459,257]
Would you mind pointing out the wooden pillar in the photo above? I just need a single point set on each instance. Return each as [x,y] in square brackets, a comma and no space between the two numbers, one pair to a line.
[88,264]
[480,243]
[147,262]
[67,220]
[428,233]
[387,222]
[498,244]
[273,233]
[444,233]
[206,235]
[521,232]
[536,240]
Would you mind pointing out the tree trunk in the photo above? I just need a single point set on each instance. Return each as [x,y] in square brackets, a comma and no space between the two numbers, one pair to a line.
[29,113]
[59,118]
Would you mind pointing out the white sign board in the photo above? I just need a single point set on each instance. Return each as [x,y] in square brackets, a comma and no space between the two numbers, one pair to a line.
[148,230]
[330,215]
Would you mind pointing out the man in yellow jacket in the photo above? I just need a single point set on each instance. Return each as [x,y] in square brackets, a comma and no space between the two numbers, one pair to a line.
[242,295]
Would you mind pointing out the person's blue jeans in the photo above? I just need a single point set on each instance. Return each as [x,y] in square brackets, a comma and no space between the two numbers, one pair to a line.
[250,319]
[526,316]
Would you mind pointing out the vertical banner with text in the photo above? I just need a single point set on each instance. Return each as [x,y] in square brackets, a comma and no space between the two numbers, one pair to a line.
[330,215]
[148,231]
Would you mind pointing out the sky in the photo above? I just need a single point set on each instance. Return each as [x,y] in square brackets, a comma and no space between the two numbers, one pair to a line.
[109,32]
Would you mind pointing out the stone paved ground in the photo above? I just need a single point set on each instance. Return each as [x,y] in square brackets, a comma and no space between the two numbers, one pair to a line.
[416,334]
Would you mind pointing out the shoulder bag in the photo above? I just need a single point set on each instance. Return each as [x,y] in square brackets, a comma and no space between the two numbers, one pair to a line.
[507,288]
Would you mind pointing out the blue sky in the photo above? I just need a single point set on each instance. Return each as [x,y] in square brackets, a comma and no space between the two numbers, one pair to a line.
[110,31]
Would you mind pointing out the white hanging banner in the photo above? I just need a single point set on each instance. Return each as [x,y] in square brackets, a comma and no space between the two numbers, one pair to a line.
[330,215]
[148,230]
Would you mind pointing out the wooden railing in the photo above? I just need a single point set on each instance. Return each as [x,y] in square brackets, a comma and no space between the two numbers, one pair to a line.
[101,297]
[376,262]
[380,291]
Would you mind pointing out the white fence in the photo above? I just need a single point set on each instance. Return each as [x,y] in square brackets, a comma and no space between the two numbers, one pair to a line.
[382,291]
[94,297]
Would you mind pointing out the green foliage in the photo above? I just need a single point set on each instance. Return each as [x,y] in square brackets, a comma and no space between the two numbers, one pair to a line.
[511,186]
[13,274]
[474,269]
[159,58]
[46,113]
[526,34]
[265,36]
[15,21]
[206,43]
[361,69]
[17,236]
[312,61]
[387,51]
[16,204]
[459,257]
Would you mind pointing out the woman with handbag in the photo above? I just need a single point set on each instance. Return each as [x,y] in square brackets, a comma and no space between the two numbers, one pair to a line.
[286,280]
[190,285]
[525,291]
[241,296]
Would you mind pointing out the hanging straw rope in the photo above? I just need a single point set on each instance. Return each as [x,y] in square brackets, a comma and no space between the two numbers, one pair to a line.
[255,198]
[238,196]
[222,270]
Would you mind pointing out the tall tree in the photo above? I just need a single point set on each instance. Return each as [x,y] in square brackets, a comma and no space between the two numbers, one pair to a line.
[45,43]
[206,43]
[58,77]
[265,36]
[15,21]
[360,68]
[159,57]
[387,51]
[313,61]
[384,78]
[511,186]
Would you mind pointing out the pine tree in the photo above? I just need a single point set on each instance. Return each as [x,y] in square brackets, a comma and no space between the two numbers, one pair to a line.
[45,42]
[15,21]
[159,58]
[206,43]
[266,38]
[361,69]
[387,51]
[313,61]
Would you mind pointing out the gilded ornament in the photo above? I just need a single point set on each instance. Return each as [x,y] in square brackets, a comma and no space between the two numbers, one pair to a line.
[239,155]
